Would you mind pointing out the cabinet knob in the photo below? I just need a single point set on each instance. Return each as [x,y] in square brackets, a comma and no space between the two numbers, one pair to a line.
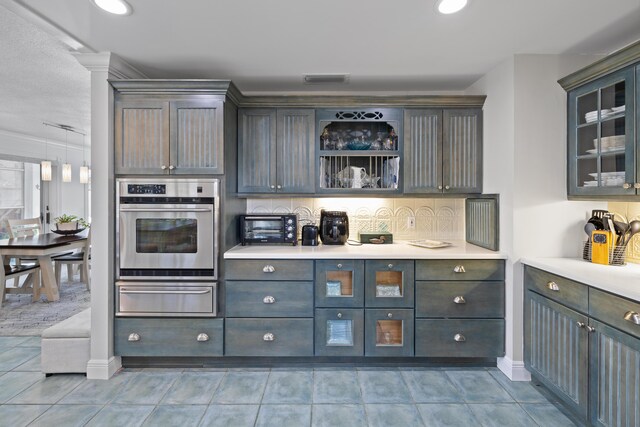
[339,266]
[446,187]
[202,337]
[279,187]
[627,185]
[273,187]
[390,315]
[580,324]
[633,317]
[553,286]
[133,337]
[459,338]
[171,167]
[591,329]
[636,185]
[268,299]
[460,300]
[163,167]
[459,269]
[390,266]
[268,269]
[439,187]
[339,315]
[269,337]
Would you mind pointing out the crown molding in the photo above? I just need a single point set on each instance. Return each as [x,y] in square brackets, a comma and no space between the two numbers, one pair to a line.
[109,62]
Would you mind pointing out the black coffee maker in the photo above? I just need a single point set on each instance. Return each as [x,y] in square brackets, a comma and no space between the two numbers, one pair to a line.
[334,227]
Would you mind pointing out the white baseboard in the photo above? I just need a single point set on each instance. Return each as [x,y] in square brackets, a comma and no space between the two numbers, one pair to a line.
[514,370]
[100,369]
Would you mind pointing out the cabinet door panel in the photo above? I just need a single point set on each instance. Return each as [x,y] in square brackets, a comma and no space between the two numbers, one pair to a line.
[295,151]
[141,137]
[269,299]
[462,151]
[339,332]
[388,332]
[339,283]
[423,151]
[389,283]
[256,150]
[197,136]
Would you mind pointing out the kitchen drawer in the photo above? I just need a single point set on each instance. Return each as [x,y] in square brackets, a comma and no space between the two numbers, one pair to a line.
[269,299]
[460,299]
[269,337]
[389,283]
[168,337]
[339,332]
[460,269]
[339,283]
[459,338]
[388,332]
[565,291]
[615,311]
[268,269]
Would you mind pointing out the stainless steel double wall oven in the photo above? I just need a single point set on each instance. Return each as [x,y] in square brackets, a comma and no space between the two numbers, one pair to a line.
[167,247]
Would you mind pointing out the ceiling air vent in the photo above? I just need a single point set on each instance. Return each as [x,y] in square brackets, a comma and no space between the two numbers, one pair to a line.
[326,78]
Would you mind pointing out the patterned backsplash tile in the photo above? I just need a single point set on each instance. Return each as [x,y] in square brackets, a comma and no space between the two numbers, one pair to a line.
[628,212]
[440,219]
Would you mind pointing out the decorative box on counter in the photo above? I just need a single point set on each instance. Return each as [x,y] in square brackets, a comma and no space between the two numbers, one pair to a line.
[376,238]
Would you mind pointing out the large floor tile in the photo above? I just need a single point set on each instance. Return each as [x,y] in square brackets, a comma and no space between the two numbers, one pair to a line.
[478,386]
[98,392]
[547,414]
[230,415]
[8,342]
[66,415]
[284,416]
[49,390]
[447,415]
[20,415]
[430,386]
[521,391]
[121,415]
[241,387]
[336,387]
[392,415]
[383,386]
[176,416]
[289,387]
[32,365]
[16,356]
[34,341]
[193,388]
[338,416]
[146,388]
[502,414]
[13,383]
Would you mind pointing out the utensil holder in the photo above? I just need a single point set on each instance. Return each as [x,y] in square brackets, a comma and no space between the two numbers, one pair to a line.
[616,254]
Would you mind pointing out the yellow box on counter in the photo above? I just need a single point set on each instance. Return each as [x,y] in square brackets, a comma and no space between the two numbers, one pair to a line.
[601,245]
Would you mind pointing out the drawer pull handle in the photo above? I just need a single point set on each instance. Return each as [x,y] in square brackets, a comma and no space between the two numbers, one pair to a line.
[553,286]
[339,265]
[390,266]
[269,337]
[632,317]
[580,324]
[390,315]
[268,269]
[591,329]
[339,315]
[133,337]
[459,269]
[268,299]
[202,337]
[459,338]
[460,300]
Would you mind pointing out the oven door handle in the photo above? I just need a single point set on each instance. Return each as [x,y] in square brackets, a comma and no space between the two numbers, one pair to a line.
[126,291]
[165,209]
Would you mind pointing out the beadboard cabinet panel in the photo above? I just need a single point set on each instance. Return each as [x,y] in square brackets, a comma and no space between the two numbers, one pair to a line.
[256,150]
[423,151]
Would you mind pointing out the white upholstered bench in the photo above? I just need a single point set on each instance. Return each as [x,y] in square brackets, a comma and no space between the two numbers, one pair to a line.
[66,345]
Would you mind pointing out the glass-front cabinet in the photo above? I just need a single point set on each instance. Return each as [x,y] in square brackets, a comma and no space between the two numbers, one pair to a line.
[359,150]
[389,283]
[602,142]
[339,332]
[339,283]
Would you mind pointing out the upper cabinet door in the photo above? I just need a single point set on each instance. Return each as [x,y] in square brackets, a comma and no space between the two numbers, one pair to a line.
[423,151]
[256,150]
[142,137]
[462,151]
[295,151]
[197,137]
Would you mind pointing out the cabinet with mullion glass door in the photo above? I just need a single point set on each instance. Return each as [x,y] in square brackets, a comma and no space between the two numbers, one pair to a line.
[602,146]
[359,150]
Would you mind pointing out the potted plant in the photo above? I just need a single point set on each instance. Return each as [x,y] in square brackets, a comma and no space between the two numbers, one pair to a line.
[70,222]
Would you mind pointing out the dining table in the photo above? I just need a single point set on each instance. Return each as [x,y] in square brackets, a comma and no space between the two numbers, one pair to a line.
[43,247]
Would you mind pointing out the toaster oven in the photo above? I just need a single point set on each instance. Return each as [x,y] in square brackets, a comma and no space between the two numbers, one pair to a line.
[266,229]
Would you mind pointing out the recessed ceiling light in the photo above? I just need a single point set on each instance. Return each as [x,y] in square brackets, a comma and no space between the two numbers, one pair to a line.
[117,7]
[447,7]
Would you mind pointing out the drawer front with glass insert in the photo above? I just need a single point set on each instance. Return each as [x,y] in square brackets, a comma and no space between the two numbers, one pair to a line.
[339,332]
[339,283]
[389,283]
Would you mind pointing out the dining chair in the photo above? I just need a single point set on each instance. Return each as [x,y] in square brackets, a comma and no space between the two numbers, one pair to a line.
[24,228]
[14,272]
[81,259]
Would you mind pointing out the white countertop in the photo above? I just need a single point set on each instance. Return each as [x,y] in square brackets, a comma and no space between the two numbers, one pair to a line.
[621,280]
[397,250]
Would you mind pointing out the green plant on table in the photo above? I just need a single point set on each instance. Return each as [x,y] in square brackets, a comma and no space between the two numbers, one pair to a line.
[65,219]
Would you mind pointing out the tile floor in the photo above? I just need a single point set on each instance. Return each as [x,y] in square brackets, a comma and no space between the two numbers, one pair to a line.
[265,397]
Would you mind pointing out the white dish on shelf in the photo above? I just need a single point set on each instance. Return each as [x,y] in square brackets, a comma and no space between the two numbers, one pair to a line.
[619,109]
[607,150]
[620,174]
[590,183]
[429,244]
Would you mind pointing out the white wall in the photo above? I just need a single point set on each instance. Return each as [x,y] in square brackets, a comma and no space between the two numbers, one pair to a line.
[525,162]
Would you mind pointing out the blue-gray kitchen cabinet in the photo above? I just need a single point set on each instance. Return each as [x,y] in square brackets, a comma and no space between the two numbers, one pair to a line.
[389,283]
[388,332]
[339,283]
[339,332]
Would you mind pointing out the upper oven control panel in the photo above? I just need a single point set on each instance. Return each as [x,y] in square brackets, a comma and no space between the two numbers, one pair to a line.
[146,189]
[157,188]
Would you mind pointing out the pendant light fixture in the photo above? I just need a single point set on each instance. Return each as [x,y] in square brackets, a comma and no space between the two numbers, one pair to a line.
[84,169]
[66,167]
[45,165]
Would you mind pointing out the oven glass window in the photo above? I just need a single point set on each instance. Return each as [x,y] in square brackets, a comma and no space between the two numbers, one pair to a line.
[173,236]
[263,229]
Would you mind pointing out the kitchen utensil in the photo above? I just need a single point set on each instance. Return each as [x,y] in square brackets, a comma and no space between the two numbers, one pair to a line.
[634,228]
[589,228]
[621,229]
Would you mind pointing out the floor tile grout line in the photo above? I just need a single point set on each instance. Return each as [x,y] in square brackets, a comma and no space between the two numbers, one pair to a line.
[224,376]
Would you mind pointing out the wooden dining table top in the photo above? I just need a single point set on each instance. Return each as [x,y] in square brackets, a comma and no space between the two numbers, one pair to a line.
[41,241]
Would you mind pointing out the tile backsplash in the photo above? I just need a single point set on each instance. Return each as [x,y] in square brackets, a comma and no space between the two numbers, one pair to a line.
[441,219]
[628,212]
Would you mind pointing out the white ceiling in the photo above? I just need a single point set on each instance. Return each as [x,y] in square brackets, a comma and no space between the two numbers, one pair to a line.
[267,46]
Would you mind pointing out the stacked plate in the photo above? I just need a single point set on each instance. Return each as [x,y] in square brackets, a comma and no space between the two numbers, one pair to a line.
[610,143]
[607,179]
[592,116]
